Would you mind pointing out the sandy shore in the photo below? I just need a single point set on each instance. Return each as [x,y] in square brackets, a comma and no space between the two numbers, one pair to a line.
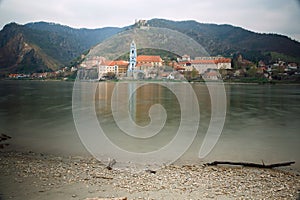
[36,176]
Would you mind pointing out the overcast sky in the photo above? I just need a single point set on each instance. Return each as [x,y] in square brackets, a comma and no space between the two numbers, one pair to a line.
[267,16]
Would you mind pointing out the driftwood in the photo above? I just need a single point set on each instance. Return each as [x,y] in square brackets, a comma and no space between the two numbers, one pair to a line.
[246,164]
[111,163]
[3,137]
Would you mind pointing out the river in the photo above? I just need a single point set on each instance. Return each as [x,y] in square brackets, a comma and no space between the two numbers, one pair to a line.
[262,121]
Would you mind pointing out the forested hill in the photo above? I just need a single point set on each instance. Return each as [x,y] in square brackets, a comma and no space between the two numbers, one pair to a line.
[45,46]
[227,40]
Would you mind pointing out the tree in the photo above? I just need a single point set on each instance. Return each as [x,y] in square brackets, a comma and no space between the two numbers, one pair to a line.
[111,75]
[252,71]
[194,73]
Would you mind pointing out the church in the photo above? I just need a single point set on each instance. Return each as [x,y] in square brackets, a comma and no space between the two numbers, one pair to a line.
[140,65]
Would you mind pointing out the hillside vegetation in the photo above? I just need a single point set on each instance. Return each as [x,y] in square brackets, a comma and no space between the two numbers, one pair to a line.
[42,46]
[227,40]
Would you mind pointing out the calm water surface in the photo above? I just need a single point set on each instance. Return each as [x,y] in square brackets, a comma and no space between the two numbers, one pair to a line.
[262,123]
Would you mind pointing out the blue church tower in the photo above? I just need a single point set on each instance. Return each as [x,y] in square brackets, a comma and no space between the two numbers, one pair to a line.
[132,57]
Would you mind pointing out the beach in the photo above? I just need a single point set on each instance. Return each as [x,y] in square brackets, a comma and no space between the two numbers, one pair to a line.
[29,175]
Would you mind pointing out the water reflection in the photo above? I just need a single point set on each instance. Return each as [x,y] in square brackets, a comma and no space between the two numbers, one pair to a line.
[262,122]
[139,98]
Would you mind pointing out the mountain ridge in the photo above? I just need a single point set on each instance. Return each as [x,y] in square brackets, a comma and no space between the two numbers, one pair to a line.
[53,46]
[21,54]
[230,37]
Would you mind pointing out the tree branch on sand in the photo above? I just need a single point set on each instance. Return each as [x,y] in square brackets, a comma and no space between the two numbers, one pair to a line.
[3,137]
[247,164]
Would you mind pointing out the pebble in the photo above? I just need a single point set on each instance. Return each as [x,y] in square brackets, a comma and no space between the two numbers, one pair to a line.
[213,182]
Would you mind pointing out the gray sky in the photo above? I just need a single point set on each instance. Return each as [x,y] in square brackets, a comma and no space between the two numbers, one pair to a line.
[267,16]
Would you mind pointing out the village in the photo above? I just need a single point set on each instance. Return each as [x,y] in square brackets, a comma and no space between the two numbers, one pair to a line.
[153,67]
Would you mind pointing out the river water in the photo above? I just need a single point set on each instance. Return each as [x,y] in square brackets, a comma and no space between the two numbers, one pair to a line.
[262,121]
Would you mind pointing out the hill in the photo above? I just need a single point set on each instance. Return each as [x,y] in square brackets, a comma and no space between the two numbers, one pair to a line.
[228,40]
[46,46]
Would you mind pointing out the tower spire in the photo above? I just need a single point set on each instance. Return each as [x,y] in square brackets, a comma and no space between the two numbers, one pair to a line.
[132,57]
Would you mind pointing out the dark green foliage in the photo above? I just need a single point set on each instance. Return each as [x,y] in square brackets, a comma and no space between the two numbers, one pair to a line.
[64,43]
[227,40]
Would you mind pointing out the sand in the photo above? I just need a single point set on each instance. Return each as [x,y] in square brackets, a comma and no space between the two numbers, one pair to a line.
[29,175]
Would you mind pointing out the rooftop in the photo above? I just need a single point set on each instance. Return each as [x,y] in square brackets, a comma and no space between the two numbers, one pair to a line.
[146,58]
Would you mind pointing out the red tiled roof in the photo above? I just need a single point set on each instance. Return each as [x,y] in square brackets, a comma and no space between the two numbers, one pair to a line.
[180,68]
[114,62]
[224,60]
[145,58]
[118,63]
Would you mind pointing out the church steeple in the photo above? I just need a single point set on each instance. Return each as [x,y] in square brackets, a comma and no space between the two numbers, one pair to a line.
[132,57]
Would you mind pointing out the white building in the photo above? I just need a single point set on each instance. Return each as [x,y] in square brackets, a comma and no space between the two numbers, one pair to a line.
[204,64]
[104,70]
[184,58]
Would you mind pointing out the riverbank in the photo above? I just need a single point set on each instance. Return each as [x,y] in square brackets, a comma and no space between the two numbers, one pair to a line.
[164,80]
[38,176]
